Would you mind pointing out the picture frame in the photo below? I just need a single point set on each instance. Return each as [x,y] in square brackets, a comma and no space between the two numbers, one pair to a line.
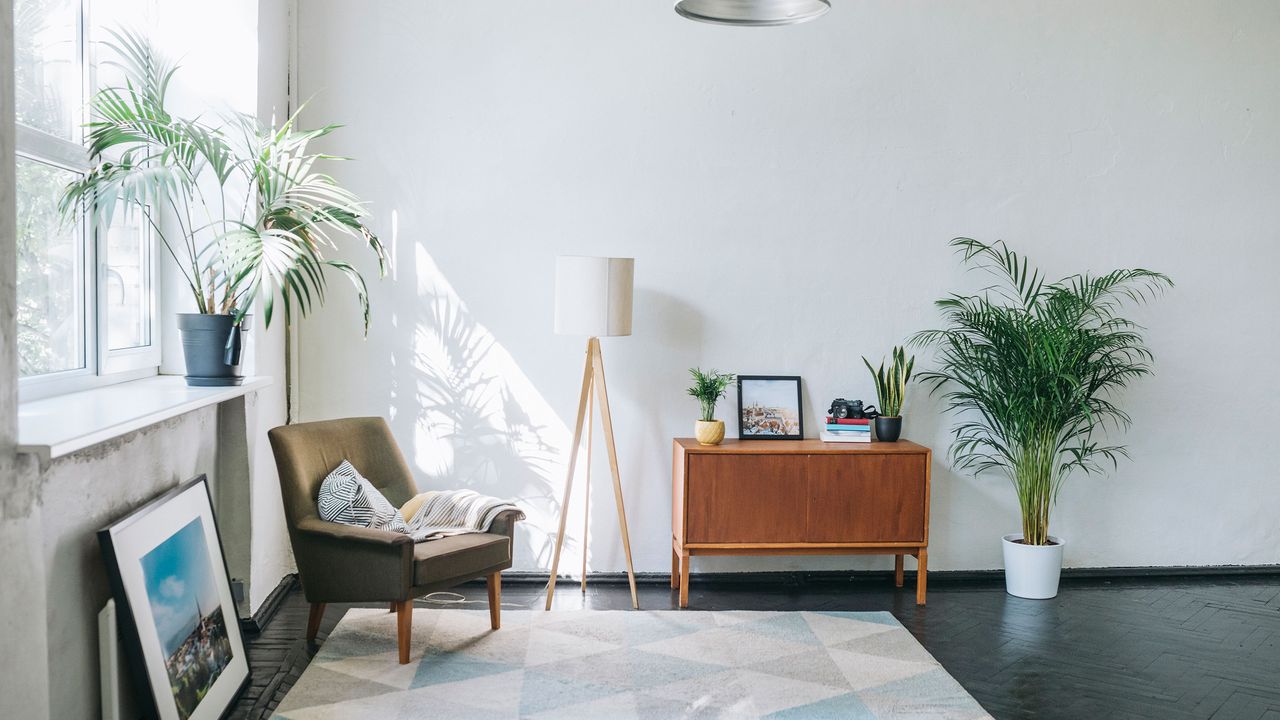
[770,407]
[177,618]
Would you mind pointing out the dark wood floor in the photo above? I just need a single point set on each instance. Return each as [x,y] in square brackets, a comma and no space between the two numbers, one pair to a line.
[1188,647]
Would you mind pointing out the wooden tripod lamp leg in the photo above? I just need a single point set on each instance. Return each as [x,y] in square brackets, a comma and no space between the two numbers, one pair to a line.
[586,491]
[568,483]
[606,420]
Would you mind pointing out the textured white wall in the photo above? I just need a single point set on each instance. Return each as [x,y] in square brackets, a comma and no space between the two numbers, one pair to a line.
[788,194]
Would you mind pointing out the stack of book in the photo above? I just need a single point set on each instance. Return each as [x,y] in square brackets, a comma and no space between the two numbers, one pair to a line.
[847,430]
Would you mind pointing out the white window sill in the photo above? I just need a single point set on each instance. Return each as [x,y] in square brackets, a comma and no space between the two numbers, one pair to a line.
[57,426]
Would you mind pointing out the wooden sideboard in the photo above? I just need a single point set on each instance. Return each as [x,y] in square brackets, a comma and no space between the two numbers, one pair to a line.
[799,497]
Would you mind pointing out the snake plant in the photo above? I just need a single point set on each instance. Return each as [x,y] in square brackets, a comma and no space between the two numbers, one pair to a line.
[891,382]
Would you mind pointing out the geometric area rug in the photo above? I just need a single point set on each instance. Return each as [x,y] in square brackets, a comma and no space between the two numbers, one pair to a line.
[626,664]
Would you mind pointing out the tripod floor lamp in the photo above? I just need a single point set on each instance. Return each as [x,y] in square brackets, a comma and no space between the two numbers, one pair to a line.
[593,298]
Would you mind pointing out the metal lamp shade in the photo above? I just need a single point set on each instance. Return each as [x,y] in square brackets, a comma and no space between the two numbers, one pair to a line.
[593,295]
[758,13]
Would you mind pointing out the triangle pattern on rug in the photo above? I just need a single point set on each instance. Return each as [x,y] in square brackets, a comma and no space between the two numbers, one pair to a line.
[384,668]
[627,664]
[869,671]
[437,669]
[835,629]
[813,666]
[546,691]
[321,686]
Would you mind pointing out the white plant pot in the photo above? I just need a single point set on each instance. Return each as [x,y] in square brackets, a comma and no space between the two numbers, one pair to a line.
[1032,571]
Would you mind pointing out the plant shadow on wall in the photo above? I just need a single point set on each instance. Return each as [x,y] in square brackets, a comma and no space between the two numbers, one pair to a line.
[477,421]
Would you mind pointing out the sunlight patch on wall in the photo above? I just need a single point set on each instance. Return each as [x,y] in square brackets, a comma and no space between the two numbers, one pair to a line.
[481,423]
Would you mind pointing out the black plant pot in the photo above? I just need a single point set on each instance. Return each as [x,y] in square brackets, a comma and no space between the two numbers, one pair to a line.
[888,429]
[211,345]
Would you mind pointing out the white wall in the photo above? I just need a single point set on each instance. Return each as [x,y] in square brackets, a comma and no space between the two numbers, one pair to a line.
[788,194]
[272,556]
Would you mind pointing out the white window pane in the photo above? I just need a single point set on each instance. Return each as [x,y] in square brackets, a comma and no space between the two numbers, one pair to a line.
[127,283]
[47,73]
[50,274]
[112,16]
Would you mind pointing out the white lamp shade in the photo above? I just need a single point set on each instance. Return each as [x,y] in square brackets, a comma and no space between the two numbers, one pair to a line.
[593,295]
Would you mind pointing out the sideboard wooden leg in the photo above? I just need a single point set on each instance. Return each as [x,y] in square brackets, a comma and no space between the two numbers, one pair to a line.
[675,568]
[684,581]
[897,570]
[922,574]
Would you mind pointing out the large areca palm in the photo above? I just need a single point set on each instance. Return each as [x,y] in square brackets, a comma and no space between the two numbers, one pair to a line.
[274,244]
[1034,367]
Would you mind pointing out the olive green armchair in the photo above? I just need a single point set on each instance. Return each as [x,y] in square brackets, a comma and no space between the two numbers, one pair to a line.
[343,563]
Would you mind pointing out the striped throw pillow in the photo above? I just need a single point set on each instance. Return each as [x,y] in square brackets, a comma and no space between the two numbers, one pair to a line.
[346,497]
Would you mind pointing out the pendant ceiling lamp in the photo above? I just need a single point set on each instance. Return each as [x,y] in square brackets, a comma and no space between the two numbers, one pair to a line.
[752,13]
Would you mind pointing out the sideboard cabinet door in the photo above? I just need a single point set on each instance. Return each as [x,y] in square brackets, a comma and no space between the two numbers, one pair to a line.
[866,498]
[746,499]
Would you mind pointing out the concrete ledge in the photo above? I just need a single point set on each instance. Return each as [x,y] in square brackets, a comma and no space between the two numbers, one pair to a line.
[57,426]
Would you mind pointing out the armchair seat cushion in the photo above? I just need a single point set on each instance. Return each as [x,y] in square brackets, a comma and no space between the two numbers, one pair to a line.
[458,555]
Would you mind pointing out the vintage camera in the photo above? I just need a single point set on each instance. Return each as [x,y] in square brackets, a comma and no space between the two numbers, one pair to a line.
[841,409]
[853,409]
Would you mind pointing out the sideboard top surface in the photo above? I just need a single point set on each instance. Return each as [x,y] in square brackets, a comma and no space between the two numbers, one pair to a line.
[787,447]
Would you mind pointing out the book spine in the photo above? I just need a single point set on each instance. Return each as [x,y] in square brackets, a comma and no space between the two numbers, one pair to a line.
[849,428]
[848,421]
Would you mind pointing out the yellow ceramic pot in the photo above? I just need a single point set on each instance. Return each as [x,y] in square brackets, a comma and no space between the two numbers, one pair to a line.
[709,432]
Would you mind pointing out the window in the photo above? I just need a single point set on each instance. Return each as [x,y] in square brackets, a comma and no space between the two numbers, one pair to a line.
[86,295]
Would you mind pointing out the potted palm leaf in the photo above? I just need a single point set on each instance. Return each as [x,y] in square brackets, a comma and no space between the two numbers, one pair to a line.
[240,208]
[891,392]
[1035,370]
[709,387]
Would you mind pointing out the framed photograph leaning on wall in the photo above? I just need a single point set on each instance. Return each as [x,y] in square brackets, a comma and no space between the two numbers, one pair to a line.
[769,407]
[178,621]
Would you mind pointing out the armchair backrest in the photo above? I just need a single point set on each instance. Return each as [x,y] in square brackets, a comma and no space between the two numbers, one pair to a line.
[307,452]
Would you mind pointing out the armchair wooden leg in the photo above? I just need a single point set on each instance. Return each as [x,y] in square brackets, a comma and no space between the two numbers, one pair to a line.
[394,606]
[313,621]
[495,600]
[404,628]
[897,570]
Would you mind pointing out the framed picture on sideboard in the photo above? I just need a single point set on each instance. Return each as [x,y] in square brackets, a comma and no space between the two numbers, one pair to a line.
[769,407]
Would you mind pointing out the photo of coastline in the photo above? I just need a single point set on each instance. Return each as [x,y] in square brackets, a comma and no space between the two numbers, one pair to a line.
[183,595]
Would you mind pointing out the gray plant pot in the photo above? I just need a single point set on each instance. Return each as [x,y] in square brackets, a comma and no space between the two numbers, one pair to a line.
[211,345]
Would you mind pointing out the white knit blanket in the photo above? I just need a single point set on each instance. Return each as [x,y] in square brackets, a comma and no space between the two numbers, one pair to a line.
[454,512]
[348,498]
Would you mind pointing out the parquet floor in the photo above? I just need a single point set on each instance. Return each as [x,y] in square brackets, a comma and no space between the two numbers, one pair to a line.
[1183,647]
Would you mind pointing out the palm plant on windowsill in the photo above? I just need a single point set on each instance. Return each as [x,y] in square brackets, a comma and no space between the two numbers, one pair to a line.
[709,387]
[891,393]
[240,208]
[1034,368]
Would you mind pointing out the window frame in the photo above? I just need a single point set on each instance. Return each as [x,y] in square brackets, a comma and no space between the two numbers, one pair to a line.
[100,365]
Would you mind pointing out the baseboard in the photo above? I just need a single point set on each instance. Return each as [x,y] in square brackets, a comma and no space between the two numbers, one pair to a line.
[268,608]
[802,577]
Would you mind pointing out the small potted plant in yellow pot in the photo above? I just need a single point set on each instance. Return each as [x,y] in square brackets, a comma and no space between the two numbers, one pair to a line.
[709,387]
